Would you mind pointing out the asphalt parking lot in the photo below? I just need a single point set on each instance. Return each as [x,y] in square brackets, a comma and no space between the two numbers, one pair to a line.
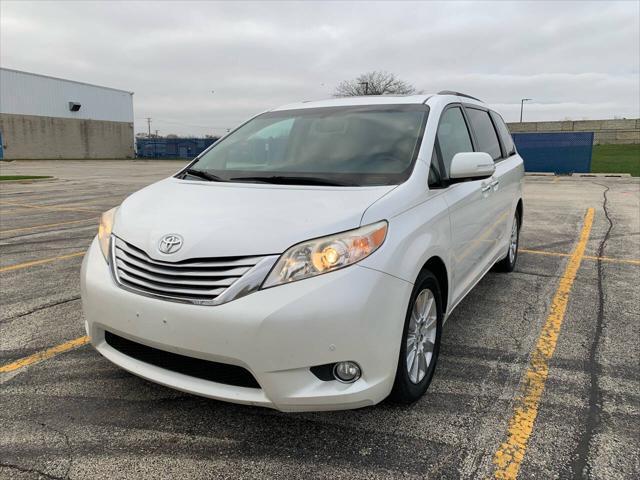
[538,376]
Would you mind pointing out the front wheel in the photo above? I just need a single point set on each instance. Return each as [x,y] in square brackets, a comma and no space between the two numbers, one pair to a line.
[420,341]
[508,263]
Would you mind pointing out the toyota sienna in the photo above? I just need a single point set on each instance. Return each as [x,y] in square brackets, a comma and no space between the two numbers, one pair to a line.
[309,259]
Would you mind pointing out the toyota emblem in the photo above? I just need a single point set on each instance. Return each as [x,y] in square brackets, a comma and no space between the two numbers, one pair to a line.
[170,243]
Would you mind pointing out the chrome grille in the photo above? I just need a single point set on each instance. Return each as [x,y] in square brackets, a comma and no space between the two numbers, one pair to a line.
[199,280]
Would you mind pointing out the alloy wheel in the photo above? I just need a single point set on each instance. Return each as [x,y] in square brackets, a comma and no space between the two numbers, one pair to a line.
[421,335]
[513,243]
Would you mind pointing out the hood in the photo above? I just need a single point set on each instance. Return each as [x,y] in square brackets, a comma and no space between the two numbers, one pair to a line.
[226,219]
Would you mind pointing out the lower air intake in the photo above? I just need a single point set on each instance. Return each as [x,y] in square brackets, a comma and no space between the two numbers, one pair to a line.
[194,367]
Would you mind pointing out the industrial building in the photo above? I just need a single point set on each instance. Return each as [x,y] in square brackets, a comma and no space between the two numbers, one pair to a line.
[47,117]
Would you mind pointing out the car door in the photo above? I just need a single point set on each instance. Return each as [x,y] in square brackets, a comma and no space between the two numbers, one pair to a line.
[486,140]
[467,202]
[509,175]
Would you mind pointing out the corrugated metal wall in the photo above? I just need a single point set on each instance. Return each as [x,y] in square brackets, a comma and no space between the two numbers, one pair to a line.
[23,93]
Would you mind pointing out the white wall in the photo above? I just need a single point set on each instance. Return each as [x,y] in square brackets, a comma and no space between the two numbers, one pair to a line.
[23,93]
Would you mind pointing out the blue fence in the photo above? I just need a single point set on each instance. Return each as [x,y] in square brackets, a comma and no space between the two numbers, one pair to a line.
[555,152]
[171,147]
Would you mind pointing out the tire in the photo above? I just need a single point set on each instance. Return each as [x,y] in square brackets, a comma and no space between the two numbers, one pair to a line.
[410,384]
[508,263]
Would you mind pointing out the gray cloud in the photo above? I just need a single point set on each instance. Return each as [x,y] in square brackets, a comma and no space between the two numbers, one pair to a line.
[575,59]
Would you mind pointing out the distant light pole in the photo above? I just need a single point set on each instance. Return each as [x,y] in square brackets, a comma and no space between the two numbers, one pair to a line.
[522,106]
[366,87]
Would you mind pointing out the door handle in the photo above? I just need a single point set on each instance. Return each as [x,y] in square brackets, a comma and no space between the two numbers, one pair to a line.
[486,188]
[495,184]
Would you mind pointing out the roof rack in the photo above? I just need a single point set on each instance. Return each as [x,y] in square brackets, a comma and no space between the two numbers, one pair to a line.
[451,92]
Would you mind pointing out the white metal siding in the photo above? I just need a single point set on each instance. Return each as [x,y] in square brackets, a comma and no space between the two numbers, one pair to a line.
[23,93]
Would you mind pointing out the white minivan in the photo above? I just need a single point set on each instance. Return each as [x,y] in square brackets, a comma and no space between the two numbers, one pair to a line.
[309,259]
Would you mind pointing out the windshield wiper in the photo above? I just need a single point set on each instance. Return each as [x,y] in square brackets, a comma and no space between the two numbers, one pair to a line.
[294,180]
[202,174]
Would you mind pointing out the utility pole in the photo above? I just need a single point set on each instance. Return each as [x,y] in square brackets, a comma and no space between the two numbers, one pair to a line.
[156,133]
[366,87]
[522,106]
[149,125]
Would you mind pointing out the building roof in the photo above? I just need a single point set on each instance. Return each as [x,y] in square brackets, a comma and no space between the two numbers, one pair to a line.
[65,80]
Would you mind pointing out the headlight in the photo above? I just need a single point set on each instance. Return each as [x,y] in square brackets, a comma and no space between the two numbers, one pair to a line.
[326,254]
[104,231]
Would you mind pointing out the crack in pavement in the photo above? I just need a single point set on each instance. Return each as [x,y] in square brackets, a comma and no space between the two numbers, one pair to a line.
[37,309]
[580,465]
[29,470]
[67,444]
[536,274]
[528,317]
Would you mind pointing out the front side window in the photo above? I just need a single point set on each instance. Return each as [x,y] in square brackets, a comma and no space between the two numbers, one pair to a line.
[485,133]
[357,145]
[435,176]
[452,136]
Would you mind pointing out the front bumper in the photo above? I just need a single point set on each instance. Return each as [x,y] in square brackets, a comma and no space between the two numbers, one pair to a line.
[277,334]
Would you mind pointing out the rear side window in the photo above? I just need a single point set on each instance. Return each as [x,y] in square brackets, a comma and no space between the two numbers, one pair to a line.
[505,136]
[485,132]
[453,136]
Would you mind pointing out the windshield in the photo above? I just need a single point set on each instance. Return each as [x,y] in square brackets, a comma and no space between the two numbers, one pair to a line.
[358,145]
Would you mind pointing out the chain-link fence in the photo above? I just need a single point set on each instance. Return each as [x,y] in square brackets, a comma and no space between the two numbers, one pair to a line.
[186,148]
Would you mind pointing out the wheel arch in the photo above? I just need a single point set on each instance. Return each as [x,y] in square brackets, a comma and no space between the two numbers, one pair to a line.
[520,211]
[437,266]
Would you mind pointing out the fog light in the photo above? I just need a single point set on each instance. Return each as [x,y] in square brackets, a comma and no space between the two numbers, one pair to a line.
[346,372]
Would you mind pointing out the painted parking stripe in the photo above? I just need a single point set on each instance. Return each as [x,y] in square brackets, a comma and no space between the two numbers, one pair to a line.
[22,229]
[511,452]
[630,261]
[45,354]
[33,263]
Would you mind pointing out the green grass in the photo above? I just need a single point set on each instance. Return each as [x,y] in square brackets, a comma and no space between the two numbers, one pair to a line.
[22,177]
[616,159]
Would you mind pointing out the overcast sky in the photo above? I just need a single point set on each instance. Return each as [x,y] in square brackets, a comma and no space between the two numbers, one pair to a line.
[574,59]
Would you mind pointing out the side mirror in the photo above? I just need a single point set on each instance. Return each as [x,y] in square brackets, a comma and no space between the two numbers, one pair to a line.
[474,165]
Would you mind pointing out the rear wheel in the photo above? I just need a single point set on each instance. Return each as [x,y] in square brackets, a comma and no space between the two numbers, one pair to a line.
[420,341]
[508,263]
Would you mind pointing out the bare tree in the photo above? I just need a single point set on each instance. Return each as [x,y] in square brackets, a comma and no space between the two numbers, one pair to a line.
[373,83]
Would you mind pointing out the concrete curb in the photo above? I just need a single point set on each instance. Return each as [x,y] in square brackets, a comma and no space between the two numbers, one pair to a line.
[550,174]
[617,175]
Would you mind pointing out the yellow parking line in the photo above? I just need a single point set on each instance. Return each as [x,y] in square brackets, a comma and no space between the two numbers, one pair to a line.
[18,266]
[49,207]
[585,257]
[510,454]
[45,354]
[542,252]
[13,230]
